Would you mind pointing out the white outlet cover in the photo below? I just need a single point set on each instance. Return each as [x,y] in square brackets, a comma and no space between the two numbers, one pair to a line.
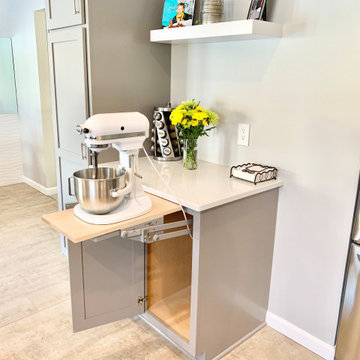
[243,134]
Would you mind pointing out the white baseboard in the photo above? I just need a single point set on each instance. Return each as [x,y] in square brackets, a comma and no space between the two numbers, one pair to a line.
[46,191]
[300,336]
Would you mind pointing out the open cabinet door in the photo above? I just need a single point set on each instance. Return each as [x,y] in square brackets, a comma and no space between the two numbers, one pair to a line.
[106,279]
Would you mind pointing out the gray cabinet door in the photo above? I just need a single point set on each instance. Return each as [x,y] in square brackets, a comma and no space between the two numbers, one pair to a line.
[106,279]
[64,13]
[70,89]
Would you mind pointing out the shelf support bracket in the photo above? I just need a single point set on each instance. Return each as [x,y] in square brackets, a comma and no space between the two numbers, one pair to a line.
[151,234]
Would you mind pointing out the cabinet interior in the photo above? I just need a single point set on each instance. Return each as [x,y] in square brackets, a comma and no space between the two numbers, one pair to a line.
[169,265]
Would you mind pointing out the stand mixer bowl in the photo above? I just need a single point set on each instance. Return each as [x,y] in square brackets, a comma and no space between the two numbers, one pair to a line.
[93,188]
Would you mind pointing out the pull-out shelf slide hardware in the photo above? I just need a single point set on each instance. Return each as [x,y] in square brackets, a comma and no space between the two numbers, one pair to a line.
[151,234]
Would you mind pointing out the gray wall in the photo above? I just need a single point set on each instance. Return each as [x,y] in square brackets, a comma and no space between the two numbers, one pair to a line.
[45,98]
[300,96]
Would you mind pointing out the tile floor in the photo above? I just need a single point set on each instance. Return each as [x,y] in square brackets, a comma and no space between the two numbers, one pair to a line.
[35,313]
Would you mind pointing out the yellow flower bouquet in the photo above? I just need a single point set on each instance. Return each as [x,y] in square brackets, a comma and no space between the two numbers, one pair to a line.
[192,121]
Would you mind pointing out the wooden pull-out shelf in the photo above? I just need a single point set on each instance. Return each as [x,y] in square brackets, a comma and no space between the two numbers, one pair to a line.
[77,230]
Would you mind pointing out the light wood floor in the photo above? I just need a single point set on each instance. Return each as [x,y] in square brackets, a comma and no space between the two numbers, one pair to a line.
[35,314]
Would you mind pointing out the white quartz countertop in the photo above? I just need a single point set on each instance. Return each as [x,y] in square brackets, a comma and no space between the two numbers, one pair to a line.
[208,186]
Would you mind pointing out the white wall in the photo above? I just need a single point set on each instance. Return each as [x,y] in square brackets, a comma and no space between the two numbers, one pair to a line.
[300,96]
[27,81]
[10,145]
[10,150]
[17,21]
[8,102]
[5,20]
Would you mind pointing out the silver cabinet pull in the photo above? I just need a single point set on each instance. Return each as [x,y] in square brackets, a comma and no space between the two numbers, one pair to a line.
[69,186]
[49,7]
[76,11]
[83,153]
[356,228]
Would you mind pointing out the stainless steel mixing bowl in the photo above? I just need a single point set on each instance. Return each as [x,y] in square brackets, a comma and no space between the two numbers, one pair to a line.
[93,188]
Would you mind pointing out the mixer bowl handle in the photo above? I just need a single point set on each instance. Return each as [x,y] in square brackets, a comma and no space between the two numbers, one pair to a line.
[69,186]
[122,192]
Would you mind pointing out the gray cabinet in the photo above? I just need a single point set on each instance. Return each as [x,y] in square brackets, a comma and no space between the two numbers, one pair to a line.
[103,64]
[70,95]
[205,293]
[64,13]
[110,276]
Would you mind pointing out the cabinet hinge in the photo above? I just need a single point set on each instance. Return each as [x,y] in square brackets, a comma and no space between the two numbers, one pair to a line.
[142,299]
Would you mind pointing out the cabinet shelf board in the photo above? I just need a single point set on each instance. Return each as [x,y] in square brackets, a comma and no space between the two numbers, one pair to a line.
[174,311]
[77,230]
[224,31]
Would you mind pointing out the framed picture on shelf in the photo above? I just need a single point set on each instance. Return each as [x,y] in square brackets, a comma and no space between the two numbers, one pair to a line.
[178,13]
[257,10]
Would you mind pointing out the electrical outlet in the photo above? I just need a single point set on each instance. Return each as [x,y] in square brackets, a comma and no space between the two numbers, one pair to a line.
[243,134]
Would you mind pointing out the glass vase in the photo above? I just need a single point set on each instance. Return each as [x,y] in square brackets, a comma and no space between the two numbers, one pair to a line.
[190,154]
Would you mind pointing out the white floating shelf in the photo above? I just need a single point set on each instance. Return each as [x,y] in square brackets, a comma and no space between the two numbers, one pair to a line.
[225,31]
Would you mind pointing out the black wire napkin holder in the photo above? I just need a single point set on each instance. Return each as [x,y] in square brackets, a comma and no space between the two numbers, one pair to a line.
[248,173]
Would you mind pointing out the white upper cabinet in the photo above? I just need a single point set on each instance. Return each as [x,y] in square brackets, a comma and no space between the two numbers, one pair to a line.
[64,13]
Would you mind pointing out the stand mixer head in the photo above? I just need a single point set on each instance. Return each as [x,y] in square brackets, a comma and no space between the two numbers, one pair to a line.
[126,132]
[123,131]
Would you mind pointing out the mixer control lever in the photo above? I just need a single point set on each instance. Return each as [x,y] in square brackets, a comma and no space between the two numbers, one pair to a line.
[80,130]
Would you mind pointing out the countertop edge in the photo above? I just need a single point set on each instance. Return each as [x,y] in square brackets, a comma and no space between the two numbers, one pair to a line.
[270,185]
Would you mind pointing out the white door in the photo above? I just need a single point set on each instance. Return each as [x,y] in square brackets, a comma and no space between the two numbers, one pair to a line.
[64,13]
[70,89]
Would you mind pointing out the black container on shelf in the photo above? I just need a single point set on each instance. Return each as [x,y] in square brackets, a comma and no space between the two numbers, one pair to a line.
[166,145]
